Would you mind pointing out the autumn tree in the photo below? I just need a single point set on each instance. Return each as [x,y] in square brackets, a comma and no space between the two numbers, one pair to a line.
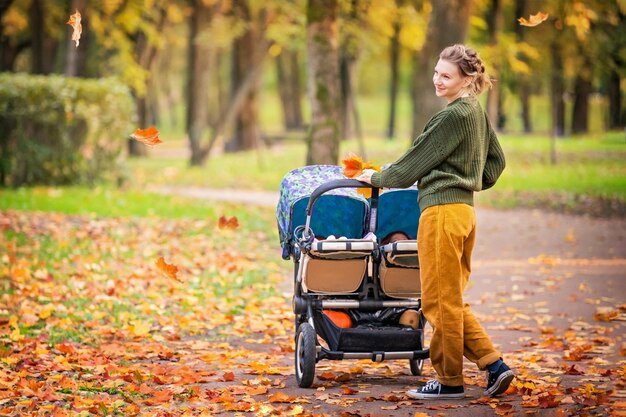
[522,80]
[449,23]
[349,50]
[609,41]
[290,87]
[246,132]
[200,64]
[394,72]
[43,44]
[495,24]
[76,58]
[286,28]
[323,80]
[12,42]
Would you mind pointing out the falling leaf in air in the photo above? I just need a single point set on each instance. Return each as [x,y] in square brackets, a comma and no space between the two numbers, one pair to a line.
[74,22]
[534,19]
[169,270]
[225,223]
[149,136]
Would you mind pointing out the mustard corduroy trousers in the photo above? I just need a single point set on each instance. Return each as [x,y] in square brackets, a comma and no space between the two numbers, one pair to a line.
[445,241]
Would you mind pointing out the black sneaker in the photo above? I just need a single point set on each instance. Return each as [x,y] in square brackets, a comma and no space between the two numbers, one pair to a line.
[499,381]
[434,390]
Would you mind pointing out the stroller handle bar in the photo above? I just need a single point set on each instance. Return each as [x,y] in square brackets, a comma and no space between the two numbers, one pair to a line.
[331,185]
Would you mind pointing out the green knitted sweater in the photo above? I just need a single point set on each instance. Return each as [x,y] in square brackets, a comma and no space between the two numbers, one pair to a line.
[456,154]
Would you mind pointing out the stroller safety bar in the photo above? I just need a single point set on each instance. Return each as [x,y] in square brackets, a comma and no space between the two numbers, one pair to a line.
[331,185]
[400,246]
[344,245]
[368,304]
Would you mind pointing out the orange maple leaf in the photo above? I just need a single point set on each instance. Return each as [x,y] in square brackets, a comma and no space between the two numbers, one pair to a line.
[228,376]
[353,166]
[281,397]
[534,19]
[225,223]
[74,22]
[170,271]
[327,376]
[149,136]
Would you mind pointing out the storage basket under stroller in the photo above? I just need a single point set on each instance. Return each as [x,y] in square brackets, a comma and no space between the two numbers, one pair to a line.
[342,265]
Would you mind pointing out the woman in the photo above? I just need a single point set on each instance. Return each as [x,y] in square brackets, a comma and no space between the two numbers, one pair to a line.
[456,155]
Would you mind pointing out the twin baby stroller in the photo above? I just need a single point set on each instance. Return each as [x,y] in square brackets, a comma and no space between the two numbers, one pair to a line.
[356,296]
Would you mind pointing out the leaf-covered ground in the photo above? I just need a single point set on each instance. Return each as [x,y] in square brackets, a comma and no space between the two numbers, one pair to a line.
[90,326]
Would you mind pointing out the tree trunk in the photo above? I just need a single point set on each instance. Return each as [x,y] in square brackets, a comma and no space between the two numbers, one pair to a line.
[351,122]
[494,94]
[323,84]
[8,49]
[449,22]
[42,45]
[75,58]
[197,79]
[350,47]
[582,90]
[235,105]
[615,101]
[247,131]
[394,65]
[524,87]
[145,54]
[557,90]
[288,73]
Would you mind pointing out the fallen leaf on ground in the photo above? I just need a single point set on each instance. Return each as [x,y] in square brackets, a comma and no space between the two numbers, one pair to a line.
[231,223]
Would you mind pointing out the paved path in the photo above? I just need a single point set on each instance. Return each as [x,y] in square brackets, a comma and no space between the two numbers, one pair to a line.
[260,198]
[539,279]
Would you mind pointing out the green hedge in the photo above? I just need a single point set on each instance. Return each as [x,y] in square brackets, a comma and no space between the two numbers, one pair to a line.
[59,130]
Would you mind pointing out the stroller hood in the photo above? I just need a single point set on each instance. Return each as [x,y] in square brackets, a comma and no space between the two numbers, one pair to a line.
[340,212]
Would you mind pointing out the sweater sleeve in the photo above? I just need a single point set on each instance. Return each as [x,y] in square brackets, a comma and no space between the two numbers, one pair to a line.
[495,162]
[429,150]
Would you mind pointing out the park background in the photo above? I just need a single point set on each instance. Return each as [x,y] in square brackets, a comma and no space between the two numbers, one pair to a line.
[241,93]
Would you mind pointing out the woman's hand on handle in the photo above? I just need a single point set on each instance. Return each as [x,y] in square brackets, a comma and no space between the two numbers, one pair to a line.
[366,176]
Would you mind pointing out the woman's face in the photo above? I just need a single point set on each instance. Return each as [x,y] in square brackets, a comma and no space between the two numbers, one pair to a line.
[448,80]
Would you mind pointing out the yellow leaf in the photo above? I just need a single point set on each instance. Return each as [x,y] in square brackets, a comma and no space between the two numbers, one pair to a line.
[46,312]
[140,328]
[296,411]
[16,335]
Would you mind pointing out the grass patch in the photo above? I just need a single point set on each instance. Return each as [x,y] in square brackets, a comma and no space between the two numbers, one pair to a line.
[590,166]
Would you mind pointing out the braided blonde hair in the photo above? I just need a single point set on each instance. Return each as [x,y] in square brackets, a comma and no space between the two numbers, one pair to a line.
[470,64]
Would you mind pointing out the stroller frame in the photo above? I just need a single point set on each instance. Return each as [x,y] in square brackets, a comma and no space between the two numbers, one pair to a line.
[344,343]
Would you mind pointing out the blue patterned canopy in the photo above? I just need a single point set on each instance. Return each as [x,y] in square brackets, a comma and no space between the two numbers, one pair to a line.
[339,212]
[398,211]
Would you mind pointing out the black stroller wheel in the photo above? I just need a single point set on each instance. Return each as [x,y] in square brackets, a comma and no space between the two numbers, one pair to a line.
[305,355]
[417,365]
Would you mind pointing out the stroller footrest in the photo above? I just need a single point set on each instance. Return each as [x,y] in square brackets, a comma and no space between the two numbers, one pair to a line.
[375,356]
